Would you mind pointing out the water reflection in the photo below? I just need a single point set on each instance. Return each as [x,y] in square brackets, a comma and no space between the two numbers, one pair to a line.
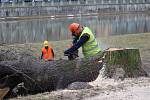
[56,29]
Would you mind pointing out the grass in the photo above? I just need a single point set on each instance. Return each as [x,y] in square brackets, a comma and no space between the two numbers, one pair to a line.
[140,41]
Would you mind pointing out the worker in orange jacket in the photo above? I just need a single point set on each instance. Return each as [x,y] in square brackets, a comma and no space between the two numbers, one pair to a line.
[47,52]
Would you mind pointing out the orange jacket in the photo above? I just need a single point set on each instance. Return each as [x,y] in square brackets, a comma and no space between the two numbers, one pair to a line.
[47,54]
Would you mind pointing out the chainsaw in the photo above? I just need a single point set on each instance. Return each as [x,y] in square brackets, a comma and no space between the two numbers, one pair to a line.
[72,56]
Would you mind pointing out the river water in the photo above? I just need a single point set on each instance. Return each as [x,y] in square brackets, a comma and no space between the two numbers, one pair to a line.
[55,29]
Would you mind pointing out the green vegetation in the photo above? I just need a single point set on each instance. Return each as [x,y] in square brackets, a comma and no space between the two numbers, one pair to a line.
[139,41]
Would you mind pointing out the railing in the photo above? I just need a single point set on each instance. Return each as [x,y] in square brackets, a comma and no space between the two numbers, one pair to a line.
[69,2]
[72,8]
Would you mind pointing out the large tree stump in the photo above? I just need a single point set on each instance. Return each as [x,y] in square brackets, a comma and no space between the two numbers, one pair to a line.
[126,62]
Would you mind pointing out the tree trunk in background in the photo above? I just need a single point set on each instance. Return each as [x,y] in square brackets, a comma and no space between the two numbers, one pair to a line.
[122,62]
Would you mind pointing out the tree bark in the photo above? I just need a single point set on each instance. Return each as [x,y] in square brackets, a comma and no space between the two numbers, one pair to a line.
[123,62]
[3,92]
[40,76]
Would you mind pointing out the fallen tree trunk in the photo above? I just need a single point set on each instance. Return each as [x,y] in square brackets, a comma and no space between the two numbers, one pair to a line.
[121,62]
[3,92]
[40,76]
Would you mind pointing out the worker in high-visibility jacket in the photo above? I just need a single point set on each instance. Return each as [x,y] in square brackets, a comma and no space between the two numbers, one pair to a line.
[47,52]
[83,37]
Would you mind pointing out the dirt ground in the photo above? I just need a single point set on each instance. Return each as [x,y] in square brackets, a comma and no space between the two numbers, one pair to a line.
[104,88]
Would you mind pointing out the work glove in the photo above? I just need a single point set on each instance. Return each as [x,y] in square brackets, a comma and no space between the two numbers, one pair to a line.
[66,53]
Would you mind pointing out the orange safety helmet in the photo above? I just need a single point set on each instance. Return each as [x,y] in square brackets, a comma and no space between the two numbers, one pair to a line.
[73,27]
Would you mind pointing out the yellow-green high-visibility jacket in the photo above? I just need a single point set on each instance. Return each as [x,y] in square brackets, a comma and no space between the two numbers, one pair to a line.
[90,47]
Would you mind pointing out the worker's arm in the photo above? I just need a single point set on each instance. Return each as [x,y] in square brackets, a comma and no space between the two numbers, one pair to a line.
[53,53]
[75,39]
[42,55]
[77,45]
